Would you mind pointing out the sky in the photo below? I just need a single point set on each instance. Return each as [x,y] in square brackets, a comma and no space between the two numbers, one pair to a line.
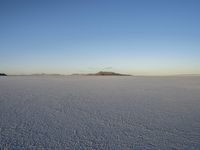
[139,37]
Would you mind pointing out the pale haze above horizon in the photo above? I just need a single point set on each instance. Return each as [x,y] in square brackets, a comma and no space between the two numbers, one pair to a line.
[140,37]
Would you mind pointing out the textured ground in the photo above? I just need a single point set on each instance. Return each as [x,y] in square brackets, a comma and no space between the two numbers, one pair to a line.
[100,113]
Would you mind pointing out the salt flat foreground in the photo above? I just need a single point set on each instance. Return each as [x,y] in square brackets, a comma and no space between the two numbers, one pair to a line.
[100,113]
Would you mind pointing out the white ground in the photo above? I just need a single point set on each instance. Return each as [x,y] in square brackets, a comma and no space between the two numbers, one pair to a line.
[100,113]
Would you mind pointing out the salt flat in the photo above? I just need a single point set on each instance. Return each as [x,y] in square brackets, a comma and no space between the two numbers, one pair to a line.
[99,112]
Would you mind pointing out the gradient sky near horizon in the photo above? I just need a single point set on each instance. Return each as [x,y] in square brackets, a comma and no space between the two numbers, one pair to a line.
[142,37]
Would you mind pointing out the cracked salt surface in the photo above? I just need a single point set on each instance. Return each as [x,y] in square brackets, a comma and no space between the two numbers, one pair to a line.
[99,112]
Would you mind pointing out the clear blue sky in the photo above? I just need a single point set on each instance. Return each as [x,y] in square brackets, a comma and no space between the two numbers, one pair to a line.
[76,36]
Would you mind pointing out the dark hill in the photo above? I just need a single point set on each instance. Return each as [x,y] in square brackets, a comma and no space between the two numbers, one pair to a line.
[104,73]
[3,74]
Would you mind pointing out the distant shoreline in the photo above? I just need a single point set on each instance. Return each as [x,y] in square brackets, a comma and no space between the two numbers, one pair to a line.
[102,73]
[81,75]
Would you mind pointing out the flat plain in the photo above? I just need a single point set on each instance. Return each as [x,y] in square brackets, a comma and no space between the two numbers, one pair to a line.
[89,112]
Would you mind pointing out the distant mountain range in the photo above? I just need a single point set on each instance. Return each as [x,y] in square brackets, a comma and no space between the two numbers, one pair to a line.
[3,74]
[100,73]
[104,73]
